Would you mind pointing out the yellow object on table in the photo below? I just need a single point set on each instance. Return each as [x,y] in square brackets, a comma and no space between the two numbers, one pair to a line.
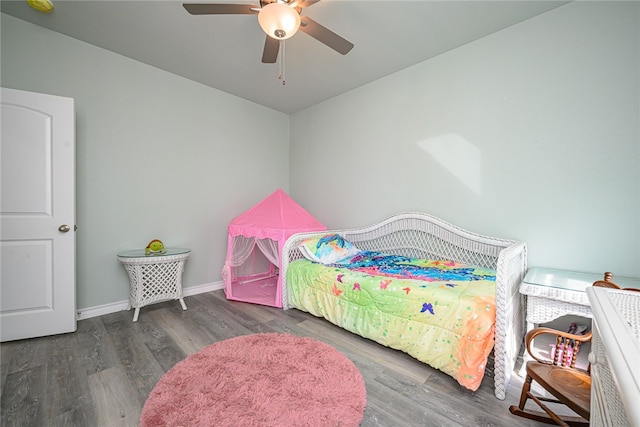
[44,6]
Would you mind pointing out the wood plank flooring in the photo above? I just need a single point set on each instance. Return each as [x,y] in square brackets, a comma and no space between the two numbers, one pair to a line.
[101,374]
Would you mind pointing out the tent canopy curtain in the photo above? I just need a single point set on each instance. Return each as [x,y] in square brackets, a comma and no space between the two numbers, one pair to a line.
[242,248]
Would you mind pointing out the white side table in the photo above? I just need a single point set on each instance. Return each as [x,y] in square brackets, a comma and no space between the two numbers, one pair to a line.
[551,293]
[154,277]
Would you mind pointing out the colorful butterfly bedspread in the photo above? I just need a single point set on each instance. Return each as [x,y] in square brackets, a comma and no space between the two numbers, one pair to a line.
[440,312]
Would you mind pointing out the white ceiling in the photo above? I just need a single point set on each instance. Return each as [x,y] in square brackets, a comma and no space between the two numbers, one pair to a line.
[224,51]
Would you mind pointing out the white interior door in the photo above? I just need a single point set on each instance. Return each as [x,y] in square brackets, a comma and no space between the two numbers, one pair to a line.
[37,215]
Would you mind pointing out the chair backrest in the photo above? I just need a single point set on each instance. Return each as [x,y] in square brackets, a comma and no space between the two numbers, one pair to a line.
[565,350]
[608,283]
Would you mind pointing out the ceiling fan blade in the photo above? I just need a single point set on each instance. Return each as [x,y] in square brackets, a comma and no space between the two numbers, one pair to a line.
[219,9]
[270,52]
[303,3]
[325,35]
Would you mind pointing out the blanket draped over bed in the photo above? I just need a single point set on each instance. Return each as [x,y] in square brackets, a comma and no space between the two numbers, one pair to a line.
[440,312]
[413,282]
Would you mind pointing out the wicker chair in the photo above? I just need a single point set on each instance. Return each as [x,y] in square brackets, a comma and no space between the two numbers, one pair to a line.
[559,376]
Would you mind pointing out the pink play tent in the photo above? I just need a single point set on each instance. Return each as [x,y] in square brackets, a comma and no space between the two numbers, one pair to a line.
[254,250]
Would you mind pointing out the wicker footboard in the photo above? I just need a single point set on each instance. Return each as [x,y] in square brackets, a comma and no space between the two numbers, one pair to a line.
[419,235]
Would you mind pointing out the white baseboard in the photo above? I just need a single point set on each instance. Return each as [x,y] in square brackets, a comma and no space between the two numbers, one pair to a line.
[201,289]
[101,310]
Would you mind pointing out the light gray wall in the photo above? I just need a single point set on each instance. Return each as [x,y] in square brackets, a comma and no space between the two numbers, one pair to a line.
[531,133]
[158,156]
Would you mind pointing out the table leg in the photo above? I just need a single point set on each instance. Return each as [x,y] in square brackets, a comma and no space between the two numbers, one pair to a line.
[530,326]
[184,306]
[525,356]
[136,313]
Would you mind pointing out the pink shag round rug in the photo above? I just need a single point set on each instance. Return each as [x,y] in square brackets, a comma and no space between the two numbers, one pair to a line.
[259,380]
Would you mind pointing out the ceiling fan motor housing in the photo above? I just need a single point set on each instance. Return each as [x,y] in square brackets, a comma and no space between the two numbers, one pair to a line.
[290,3]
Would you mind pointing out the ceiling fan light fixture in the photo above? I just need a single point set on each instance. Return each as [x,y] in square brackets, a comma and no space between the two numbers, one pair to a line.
[279,20]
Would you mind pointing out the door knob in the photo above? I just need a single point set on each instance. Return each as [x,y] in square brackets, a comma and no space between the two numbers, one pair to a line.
[64,228]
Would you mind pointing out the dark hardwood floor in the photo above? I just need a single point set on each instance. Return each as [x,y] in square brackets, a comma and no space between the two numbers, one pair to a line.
[102,374]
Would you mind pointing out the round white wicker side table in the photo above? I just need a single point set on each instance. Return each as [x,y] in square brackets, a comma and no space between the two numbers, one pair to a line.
[154,277]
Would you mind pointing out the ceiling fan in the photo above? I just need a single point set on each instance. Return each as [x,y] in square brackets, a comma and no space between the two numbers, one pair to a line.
[280,20]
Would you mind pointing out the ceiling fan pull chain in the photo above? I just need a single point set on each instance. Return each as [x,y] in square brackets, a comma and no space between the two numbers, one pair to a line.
[282,63]
[280,60]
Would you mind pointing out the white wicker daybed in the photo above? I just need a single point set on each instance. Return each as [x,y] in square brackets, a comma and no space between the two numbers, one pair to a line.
[418,235]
